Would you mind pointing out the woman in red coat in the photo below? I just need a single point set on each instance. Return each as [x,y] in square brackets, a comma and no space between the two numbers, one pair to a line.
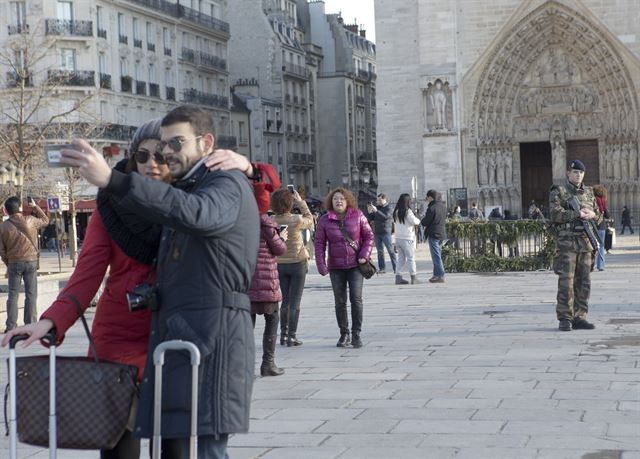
[127,245]
[264,292]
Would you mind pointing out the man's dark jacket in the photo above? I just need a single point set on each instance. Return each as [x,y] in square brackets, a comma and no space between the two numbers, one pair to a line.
[434,220]
[206,259]
[382,219]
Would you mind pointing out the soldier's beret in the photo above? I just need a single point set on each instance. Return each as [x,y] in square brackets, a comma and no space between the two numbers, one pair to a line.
[577,165]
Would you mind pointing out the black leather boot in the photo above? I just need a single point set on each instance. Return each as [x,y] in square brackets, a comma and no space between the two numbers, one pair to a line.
[284,326]
[293,341]
[344,341]
[268,367]
[356,342]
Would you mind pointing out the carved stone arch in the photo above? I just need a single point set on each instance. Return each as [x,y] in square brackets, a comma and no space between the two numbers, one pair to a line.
[554,26]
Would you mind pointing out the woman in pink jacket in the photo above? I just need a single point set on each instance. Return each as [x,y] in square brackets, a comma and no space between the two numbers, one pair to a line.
[343,259]
[264,292]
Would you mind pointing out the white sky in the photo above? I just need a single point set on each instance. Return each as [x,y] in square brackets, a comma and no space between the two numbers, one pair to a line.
[360,10]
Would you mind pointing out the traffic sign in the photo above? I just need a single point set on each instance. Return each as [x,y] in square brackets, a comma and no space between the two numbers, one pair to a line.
[53,204]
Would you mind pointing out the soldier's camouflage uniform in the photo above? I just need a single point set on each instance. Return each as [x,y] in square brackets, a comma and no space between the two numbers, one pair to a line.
[573,260]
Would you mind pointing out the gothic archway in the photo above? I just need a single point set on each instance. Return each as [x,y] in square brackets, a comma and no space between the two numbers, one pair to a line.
[554,77]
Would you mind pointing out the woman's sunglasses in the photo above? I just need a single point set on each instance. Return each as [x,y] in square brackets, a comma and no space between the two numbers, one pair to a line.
[142,156]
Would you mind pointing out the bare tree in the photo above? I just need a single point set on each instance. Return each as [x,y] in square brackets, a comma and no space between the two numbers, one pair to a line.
[36,100]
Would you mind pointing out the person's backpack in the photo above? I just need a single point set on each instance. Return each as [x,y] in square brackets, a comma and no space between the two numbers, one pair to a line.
[474,214]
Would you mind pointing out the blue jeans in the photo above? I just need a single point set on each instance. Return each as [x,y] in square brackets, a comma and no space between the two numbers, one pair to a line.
[18,271]
[292,277]
[600,257]
[384,240]
[435,247]
[340,278]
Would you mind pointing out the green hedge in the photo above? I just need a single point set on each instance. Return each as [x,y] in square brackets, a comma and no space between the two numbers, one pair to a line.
[505,232]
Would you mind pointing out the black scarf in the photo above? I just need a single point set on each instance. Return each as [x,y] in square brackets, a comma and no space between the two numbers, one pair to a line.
[138,238]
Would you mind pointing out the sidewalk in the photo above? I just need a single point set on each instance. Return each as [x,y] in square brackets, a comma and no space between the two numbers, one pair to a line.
[471,369]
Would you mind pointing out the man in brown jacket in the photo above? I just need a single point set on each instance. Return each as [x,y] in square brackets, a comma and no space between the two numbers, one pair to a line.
[18,250]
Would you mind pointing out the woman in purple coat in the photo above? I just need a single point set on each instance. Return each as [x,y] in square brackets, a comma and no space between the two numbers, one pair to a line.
[342,260]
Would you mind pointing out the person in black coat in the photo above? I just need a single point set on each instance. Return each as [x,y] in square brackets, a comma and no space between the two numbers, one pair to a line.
[435,232]
[206,260]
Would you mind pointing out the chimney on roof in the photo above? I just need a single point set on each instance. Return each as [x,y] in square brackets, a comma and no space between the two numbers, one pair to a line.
[363,33]
[352,27]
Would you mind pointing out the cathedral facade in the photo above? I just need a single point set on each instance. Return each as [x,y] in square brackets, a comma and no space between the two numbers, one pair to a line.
[496,97]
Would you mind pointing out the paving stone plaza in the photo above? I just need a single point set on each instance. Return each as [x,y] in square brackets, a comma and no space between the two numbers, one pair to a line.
[471,369]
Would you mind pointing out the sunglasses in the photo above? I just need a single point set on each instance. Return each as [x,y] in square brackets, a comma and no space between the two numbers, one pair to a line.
[142,156]
[174,143]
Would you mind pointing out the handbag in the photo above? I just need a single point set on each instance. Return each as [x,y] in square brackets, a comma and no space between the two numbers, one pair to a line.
[367,269]
[93,399]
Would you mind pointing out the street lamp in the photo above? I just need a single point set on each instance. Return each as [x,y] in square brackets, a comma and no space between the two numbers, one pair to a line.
[345,178]
[366,177]
[328,182]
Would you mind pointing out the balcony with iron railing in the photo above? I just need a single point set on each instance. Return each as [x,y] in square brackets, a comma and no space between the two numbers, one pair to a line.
[209,60]
[183,12]
[300,159]
[295,70]
[154,89]
[137,43]
[21,27]
[105,81]
[203,98]
[227,142]
[188,55]
[151,47]
[123,39]
[171,92]
[167,51]
[71,77]
[102,33]
[141,88]
[69,27]
[14,80]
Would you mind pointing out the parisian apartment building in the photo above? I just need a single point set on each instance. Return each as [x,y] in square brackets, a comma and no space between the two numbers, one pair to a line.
[124,61]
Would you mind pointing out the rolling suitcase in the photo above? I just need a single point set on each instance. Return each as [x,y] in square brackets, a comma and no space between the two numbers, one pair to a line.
[158,361]
[13,417]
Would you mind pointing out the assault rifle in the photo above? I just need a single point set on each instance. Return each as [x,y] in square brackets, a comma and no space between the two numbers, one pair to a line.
[589,228]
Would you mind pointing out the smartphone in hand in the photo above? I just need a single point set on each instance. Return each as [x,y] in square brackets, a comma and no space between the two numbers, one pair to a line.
[53,154]
[291,188]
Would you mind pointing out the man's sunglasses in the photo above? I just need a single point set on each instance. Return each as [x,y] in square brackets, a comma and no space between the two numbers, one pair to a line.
[174,143]
[142,156]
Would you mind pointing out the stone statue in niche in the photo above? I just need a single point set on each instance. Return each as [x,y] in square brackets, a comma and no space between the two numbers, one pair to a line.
[633,171]
[616,156]
[482,167]
[491,169]
[624,158]
[508,167]
[500,167]
[439,104]
[439,107]
[558,154]
[609,162]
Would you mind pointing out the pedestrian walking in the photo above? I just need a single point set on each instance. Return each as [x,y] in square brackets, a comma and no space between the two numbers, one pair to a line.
[600,193]
[573,261]
[435,232]
[380,216]
[293,265]
[626,220]
[405,224]
[336,257]
[19,252]
[264,292]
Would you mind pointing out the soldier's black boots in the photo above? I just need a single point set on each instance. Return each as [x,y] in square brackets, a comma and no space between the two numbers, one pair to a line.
[356,342]
[268,367]
[344,341]
[564,325]
[579,323]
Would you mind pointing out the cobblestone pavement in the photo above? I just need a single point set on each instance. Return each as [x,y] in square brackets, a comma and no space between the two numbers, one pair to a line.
[474,368]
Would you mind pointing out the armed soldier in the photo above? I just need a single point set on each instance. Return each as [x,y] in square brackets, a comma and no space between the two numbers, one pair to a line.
[573,209]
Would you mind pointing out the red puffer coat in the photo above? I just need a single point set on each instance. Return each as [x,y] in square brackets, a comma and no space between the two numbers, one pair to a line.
[265,285]
[341,255]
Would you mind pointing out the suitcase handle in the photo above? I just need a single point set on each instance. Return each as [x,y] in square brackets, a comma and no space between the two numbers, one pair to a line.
[49,338]
[158,361]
